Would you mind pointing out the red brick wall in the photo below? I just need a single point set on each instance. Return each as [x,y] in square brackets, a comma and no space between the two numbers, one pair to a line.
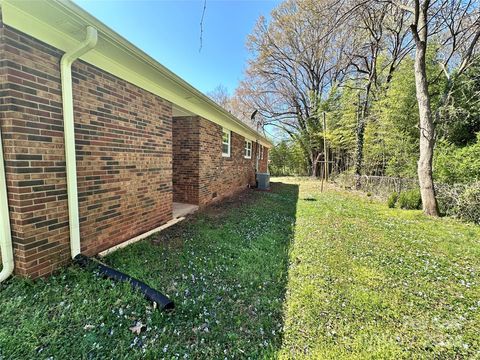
[200,173]
[222,176]
[124,148]
[32,131]
[123,140]
[124,158]
[186,137]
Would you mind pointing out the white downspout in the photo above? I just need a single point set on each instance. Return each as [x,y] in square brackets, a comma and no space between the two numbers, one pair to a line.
[69,133]
[6,246]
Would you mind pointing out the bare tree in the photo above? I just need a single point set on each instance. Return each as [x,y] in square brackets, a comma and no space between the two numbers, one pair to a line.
[298,57]
[310,46]
[376,29]
[221,96]
[234,105]
[368,22]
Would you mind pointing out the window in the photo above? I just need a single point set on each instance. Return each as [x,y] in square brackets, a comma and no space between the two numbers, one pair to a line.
[248,149]
[226,140]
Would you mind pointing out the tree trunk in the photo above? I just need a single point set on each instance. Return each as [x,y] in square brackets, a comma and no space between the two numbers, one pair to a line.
[360,139]
[427,132]
[314,170]
[315,158]
[359,154]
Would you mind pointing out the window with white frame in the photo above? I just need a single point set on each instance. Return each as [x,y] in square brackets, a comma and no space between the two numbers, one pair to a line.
[226,142]
[248,149]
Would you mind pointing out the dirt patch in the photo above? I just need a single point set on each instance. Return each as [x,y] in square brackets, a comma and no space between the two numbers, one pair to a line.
[172,238]
[169,240]
[220,209]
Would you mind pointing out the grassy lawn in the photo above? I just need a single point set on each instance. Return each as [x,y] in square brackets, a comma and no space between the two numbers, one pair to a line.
[226,270]
[292,273]
[366,281]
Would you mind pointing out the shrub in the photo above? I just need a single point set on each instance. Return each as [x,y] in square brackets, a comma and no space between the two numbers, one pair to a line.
[468,207]
[448,197]
[410,200]
[392,200]
[460,200]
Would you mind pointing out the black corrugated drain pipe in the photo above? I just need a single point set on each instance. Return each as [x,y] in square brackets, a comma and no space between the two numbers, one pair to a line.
[163,302]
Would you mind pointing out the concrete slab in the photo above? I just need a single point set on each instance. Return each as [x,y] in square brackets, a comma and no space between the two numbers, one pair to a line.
[182,209]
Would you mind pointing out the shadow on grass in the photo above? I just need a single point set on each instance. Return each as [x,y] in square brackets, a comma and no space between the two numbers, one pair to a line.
[226,269]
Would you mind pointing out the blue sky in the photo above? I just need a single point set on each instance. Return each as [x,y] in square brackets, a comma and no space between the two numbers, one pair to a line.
[169,31]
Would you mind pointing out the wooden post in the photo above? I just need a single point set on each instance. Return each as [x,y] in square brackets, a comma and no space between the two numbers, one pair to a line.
[325,153]
[321,186]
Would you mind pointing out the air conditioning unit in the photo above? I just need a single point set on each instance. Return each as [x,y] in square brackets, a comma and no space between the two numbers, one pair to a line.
[263,181]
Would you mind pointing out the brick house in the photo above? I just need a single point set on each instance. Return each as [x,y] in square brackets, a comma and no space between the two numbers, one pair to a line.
[143,139]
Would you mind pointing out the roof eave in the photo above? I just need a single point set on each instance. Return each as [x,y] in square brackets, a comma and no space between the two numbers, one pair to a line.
[117,56]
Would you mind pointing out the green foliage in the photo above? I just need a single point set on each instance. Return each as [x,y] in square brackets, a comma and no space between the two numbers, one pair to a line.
[410,200]
[391,135]
[287,158]
[368,282]
[392,200]
[460,117]
[457,165]
[279,157]
[460,200]
[391,146]
[342,120]
[469,204]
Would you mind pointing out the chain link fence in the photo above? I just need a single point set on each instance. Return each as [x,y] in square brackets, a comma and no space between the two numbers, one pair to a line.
[381,186]
[457,200]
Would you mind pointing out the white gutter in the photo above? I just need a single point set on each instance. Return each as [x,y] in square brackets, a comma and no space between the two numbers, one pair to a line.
[69,133]
[6,247]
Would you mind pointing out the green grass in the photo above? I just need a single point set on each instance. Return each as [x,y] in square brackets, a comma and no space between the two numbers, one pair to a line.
[226,271]
[292,273]
[368,282]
